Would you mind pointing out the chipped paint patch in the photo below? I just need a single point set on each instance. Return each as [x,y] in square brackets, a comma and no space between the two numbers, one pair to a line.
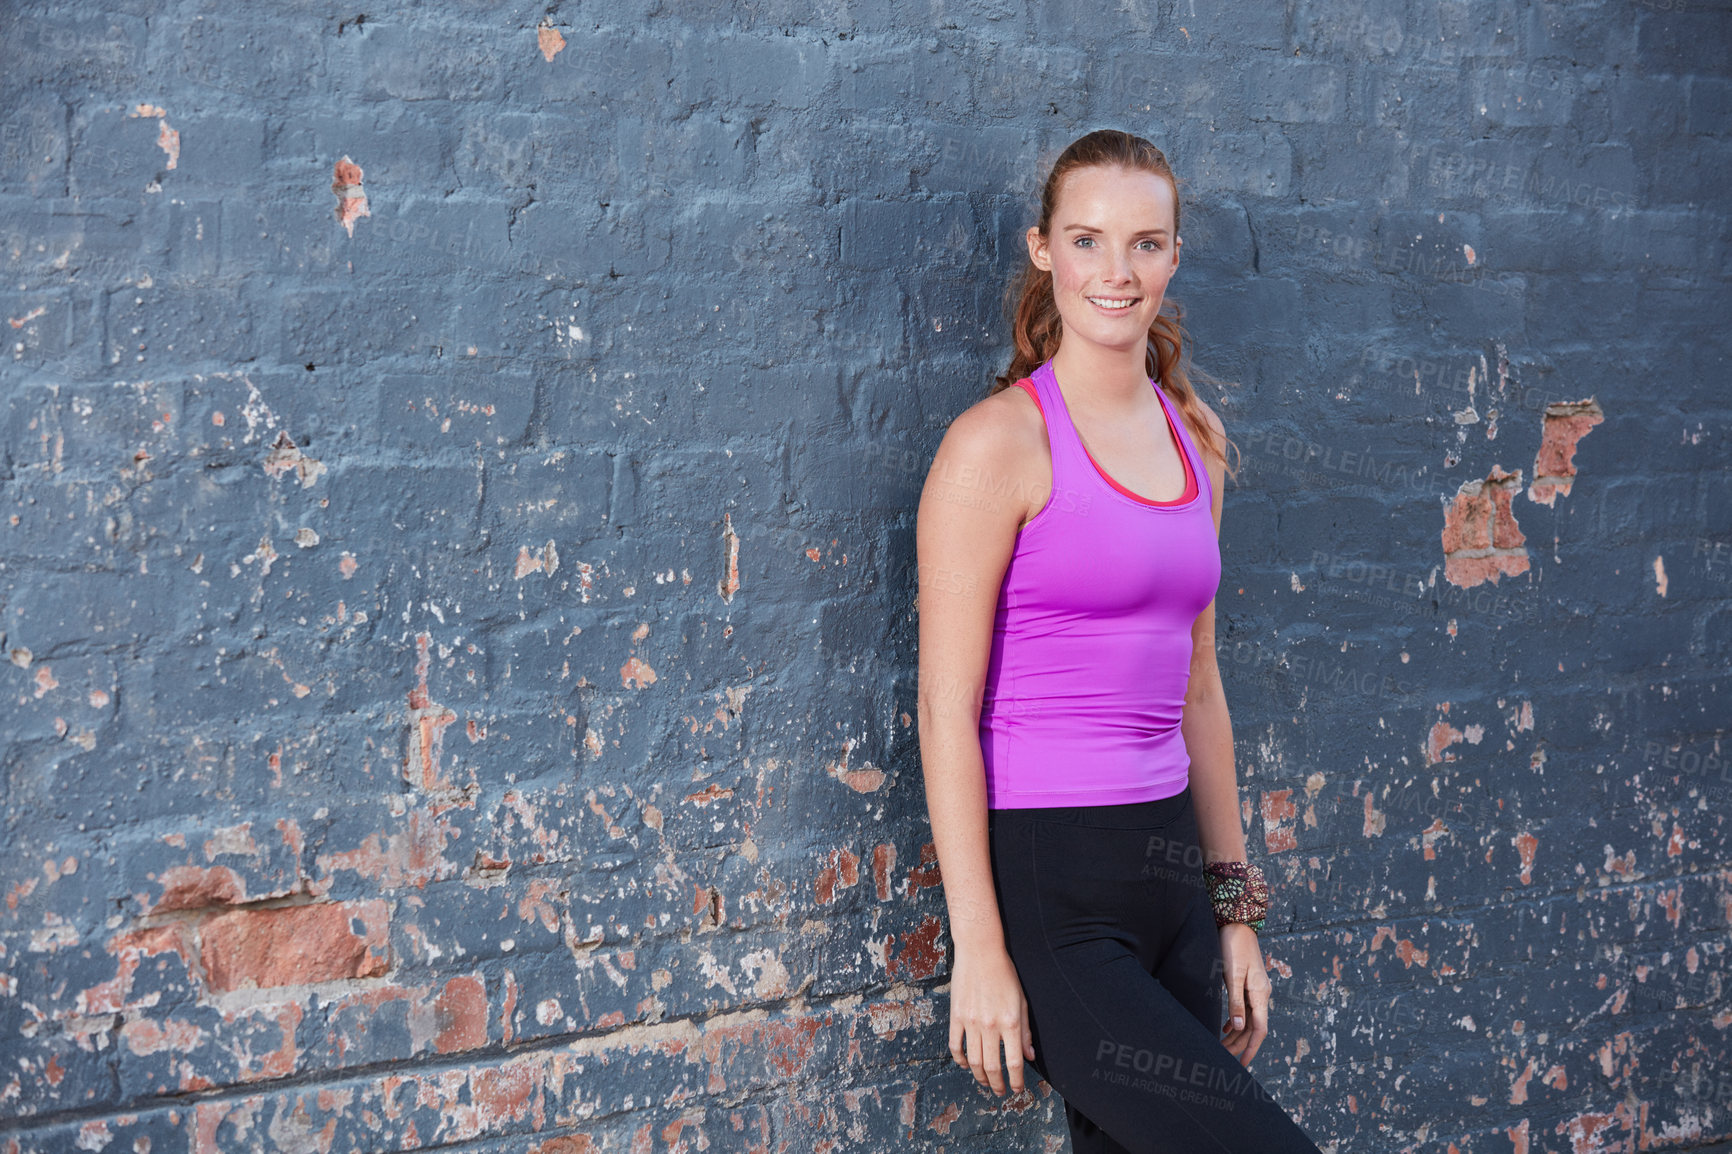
[286,456]
[1566,423]
[866,779]
[551,43]
[729,584]
[545,562]
[167,139]
[1481,540]
[1279,810]
[294,945]
[351,198]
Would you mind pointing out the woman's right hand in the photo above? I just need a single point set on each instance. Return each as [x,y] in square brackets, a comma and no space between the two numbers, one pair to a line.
[987,1010]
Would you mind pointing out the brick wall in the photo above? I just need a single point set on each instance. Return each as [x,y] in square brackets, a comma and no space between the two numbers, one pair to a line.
[459,472]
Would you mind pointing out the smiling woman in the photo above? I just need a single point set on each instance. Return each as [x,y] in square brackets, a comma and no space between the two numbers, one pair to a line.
[1075,741]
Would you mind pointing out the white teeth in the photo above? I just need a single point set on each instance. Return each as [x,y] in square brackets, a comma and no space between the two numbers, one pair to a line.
[1109,303]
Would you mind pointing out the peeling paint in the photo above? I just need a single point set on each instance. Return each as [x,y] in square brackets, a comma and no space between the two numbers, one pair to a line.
[351,198]
[1481,540]
[1566,423]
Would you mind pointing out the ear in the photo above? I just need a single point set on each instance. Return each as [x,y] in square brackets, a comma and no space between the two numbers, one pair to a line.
[1037,249]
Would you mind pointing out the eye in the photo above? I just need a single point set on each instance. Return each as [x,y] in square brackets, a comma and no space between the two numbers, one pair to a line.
[1080,239]
[1154,242]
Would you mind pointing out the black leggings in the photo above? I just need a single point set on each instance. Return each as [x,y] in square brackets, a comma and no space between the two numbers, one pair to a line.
[1109,926]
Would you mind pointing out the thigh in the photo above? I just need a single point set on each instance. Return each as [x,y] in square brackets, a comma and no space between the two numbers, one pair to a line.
[1189,961]
[1136,1058]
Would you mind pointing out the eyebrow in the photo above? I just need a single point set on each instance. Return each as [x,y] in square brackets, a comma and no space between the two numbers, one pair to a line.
[1092,228]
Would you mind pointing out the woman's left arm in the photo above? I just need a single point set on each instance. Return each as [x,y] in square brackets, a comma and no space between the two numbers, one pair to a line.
[1208,732]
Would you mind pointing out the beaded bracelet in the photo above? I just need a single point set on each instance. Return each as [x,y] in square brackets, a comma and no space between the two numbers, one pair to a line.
[1239,893]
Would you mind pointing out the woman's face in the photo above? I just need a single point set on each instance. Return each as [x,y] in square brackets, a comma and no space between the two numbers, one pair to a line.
[1111,250]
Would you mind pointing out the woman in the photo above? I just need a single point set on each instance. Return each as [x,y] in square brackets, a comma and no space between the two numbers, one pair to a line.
[1077,750]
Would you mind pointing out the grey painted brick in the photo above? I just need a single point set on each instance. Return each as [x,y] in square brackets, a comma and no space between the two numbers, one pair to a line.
[1294,91]
[1000,75]
[924,77]
[717,279]
[235,53]
[754,71]
[613,64]
[1679,42]
[1249,163]
[412,61]
[1710,106]
[890,234]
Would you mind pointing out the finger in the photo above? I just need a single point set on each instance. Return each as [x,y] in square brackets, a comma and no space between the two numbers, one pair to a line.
[1027,1033]
[1259,1021]
[994,1065]
[1013,1065]
[958,1051]
[1236,1000]
[976,1060]
[1016,1050]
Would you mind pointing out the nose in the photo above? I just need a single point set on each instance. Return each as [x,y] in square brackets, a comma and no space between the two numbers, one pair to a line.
[1119,272]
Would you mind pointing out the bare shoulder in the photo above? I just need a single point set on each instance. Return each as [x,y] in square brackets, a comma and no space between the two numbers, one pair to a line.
[996,449]
[1000,431]
[1213,418]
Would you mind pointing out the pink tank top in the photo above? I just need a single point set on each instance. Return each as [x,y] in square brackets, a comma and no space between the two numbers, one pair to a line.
[1091,642]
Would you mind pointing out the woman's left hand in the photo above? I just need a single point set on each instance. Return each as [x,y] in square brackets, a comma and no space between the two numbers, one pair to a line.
[1247,991]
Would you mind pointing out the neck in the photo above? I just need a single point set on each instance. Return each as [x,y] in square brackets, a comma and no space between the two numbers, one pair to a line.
[1101,377]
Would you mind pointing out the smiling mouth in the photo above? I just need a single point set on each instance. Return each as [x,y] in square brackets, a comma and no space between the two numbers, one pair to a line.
[1114,304]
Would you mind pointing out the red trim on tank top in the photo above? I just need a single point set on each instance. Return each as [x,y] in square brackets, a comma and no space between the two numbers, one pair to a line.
[1190,492]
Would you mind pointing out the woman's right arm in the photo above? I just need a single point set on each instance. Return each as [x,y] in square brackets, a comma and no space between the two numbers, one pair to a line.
[973,503]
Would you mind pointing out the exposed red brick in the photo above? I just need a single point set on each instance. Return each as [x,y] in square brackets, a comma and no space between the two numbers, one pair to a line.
[730,584]
[1278,810]
[351,200]
[1526,845]
[544,562]
[189,887]
[844,869]
[550,42]
[460,1015]
[1481,540]
[946,1118]
[536,906]
[293,945]
[1437,743]
[1505,533]
[636,673]
[883,862]
[887,1019]
[919,954]
[508,1092]
[866,779]
[1467,525]
[710,792]
[926,875]
[1566,422]
[566,1144]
